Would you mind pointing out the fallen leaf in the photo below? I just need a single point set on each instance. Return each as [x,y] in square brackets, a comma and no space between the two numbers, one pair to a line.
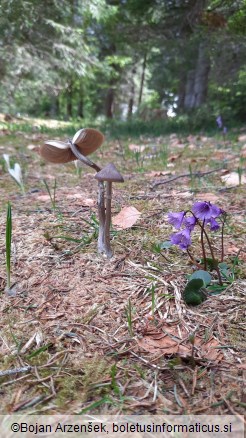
[88,202]
[43,198]
[158,173]
[32,147]
[209,197]
[232,179]
[166,343]
[242,137]
[136,147]
[174,157]
[184,194]
[126,218]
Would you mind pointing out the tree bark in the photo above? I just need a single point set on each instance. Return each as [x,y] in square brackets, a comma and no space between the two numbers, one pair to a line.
[80,108]
[69,100]
[142,80]
[132,95]
[194,93]
[109,104]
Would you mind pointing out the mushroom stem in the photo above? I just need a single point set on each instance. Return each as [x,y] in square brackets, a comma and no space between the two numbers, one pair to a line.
[100,200]
[101,216]
[107,247]
[82,158]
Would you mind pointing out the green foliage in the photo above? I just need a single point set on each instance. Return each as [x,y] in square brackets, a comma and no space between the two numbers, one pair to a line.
[103,59]
[194,293]
[203,275]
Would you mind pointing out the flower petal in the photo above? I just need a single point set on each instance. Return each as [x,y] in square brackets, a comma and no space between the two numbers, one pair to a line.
[176,219]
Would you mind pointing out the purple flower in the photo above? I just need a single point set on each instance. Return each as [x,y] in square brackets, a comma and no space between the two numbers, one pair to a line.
[190,222]
[206,210]
[182,238]
[225,130]
[219,122]
[214,225]
[176,219]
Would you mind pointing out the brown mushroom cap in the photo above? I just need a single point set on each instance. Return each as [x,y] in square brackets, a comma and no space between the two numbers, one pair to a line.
[109,173]
[87,140]
[56,152]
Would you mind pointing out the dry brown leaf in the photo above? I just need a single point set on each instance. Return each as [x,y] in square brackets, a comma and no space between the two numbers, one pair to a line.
[88,202]
[165,342]
[158,173]
[126,218]
[232,179]
[209,197]
[137,147]
[164,345]
[43,198]
[242,137]
[33,147]
[174,157]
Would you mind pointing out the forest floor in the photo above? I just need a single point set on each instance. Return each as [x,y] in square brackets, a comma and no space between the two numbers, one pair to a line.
[114,336]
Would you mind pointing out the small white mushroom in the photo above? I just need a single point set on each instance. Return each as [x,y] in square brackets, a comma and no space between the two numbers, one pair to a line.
[109,174]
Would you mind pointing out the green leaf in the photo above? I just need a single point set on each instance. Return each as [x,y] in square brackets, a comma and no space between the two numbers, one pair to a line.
[38,351]
[203,275]
[194,292]
[216,289]
[212,263]
[166,245]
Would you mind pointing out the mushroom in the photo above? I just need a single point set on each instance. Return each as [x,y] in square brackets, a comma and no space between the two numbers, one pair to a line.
[109,174]
[87,140]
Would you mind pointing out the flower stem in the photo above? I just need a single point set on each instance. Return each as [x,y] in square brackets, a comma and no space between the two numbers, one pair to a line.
[222,240]
[192,258]
[212,254]
[202,243]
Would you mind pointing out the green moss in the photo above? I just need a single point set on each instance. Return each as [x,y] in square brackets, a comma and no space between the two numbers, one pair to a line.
[86,384]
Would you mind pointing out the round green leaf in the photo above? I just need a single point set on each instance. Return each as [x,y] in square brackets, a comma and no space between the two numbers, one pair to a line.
[203,275]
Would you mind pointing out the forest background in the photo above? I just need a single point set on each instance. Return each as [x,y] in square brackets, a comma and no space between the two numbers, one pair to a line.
[154,60]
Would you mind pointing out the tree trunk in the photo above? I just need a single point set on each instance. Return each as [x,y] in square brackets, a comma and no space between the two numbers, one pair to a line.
[80,108]
[181,91]
[109,104]
[54,107]
[132,95]
[70,100]
[142,80]
[194,93]
[201,78]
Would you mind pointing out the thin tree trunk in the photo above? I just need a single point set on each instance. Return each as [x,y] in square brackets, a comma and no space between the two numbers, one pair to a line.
[201,78]
[109,104]
[181,91]
[69,100]
[142,79]
[54,108]
[132,95]
[197,80]
[80,109]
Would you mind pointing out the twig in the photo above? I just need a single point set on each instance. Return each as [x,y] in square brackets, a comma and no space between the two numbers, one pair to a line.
[198,174]
[15,371]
